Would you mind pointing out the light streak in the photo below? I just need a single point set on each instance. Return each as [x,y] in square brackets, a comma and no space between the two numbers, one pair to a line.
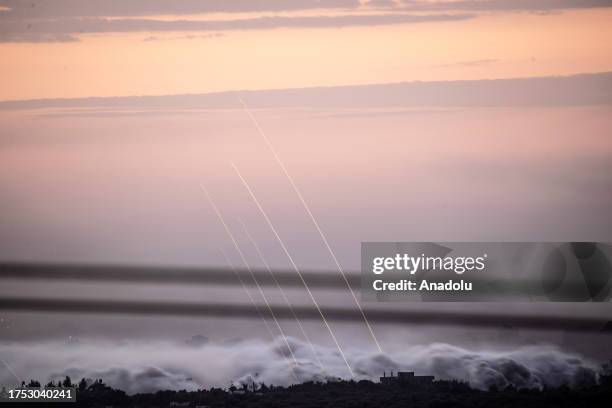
[246,264]
[312,218]
[282,292]
[10,370]
[297,270]
[231,266]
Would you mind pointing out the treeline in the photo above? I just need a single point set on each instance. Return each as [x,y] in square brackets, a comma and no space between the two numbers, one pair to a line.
[339,394]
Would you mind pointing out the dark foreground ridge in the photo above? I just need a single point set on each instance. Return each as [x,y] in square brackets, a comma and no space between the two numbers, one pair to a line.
[410,391]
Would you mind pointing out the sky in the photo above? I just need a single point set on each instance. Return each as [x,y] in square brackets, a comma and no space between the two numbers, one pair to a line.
[97,154]
[463,120]
[66,48]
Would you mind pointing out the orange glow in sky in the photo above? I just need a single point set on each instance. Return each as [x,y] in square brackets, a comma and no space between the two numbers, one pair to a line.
[490,45]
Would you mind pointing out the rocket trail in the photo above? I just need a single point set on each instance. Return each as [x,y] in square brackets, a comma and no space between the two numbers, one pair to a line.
[231,266]
[10,370]
[312,218]
[282,292]
[246,264]
[297,270]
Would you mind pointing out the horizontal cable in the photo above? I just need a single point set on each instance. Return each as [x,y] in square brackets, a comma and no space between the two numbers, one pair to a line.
[220,310]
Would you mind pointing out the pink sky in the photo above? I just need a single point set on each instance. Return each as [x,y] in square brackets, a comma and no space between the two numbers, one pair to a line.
[136,54]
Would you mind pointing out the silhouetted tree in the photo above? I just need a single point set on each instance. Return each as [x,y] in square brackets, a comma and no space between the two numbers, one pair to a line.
[345,394]
[34,384]
[67,382]
[606,373]
[82,385]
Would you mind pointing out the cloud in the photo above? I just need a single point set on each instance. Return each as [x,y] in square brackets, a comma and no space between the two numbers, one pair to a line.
[576,90]
[29,9]
[149,366]
[184,37]
[38,30]
[17,37]
[471,63]
[65,20]
[58,9]
[501,5]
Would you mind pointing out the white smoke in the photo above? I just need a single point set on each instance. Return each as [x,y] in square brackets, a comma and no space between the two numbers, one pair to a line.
[150,366]
[526,367]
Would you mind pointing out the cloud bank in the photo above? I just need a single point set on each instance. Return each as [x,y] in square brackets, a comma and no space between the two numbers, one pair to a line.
[68,29]
[66,20]
[23,9]
[502,5]
[149,366]
[575,90]
[31,9]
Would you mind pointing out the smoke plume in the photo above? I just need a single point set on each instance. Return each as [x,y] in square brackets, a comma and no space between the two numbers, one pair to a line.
[150,366]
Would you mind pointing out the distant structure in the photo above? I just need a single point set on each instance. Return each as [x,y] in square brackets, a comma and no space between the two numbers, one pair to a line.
[406,378]
[197,341]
